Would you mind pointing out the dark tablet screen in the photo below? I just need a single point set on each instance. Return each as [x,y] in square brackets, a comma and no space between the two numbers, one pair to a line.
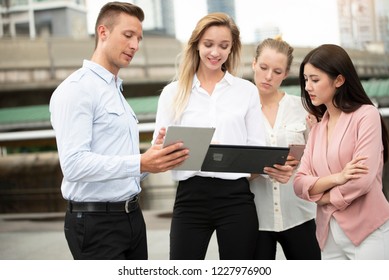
[243,159]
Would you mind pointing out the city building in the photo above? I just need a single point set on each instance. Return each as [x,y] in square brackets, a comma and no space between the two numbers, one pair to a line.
[225,6]
[382,10]
[68,18]
[159,19]
[363,24]
[266,31]
[41,18]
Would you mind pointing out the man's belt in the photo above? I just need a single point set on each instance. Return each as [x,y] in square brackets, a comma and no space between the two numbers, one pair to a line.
[127,206]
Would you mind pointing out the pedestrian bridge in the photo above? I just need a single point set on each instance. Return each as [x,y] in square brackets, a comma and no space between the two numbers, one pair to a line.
[31,123]
[27,65]
[44,63]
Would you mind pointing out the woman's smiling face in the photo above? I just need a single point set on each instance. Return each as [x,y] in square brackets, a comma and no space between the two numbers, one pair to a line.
[214,47]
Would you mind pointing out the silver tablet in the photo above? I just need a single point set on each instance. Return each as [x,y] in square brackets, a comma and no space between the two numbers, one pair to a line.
[196,139]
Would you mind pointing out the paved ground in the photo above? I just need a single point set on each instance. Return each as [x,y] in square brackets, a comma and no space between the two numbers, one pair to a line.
[40,237]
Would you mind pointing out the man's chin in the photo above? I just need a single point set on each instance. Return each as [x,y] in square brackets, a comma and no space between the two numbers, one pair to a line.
[125,64]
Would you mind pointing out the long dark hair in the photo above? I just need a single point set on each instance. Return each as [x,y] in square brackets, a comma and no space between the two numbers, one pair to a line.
[334,61]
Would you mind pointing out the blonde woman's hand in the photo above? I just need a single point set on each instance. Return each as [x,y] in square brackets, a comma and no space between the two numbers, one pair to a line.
[161,136]
[280,173]
[292,161]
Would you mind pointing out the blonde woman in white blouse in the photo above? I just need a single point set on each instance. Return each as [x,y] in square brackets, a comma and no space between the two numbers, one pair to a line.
[283,217]
[207,93]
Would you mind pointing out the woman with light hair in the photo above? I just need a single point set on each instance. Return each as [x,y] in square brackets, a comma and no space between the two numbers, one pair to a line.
[284,218]
[206,93]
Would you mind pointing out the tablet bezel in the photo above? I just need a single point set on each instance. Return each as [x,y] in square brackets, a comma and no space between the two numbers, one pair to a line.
[243,158]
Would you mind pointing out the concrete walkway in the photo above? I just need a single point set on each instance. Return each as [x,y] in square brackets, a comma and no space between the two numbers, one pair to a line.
[40,236]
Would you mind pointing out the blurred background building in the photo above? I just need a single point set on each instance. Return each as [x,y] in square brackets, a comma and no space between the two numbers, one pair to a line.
[68,18]
[43,18]
[364,24]
[266,31]
[224,6]
[159,17]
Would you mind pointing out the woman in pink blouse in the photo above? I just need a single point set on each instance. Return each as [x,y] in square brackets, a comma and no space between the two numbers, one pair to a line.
[341,169]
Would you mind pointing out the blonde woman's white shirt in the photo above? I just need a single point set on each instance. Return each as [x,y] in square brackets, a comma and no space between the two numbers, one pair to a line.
[277,205]
[233,109]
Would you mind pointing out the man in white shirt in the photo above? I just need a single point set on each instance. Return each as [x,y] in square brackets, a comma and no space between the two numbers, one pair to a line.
[98,145]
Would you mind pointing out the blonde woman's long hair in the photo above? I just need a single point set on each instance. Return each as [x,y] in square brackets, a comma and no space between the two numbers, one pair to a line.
[191,59]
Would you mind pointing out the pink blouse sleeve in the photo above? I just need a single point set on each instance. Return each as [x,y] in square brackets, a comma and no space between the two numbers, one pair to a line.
[368,143]
[305,177]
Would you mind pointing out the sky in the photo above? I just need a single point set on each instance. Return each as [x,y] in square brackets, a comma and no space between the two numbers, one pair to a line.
[303,23]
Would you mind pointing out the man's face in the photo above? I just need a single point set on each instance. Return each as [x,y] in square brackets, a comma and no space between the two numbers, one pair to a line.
[121,42]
